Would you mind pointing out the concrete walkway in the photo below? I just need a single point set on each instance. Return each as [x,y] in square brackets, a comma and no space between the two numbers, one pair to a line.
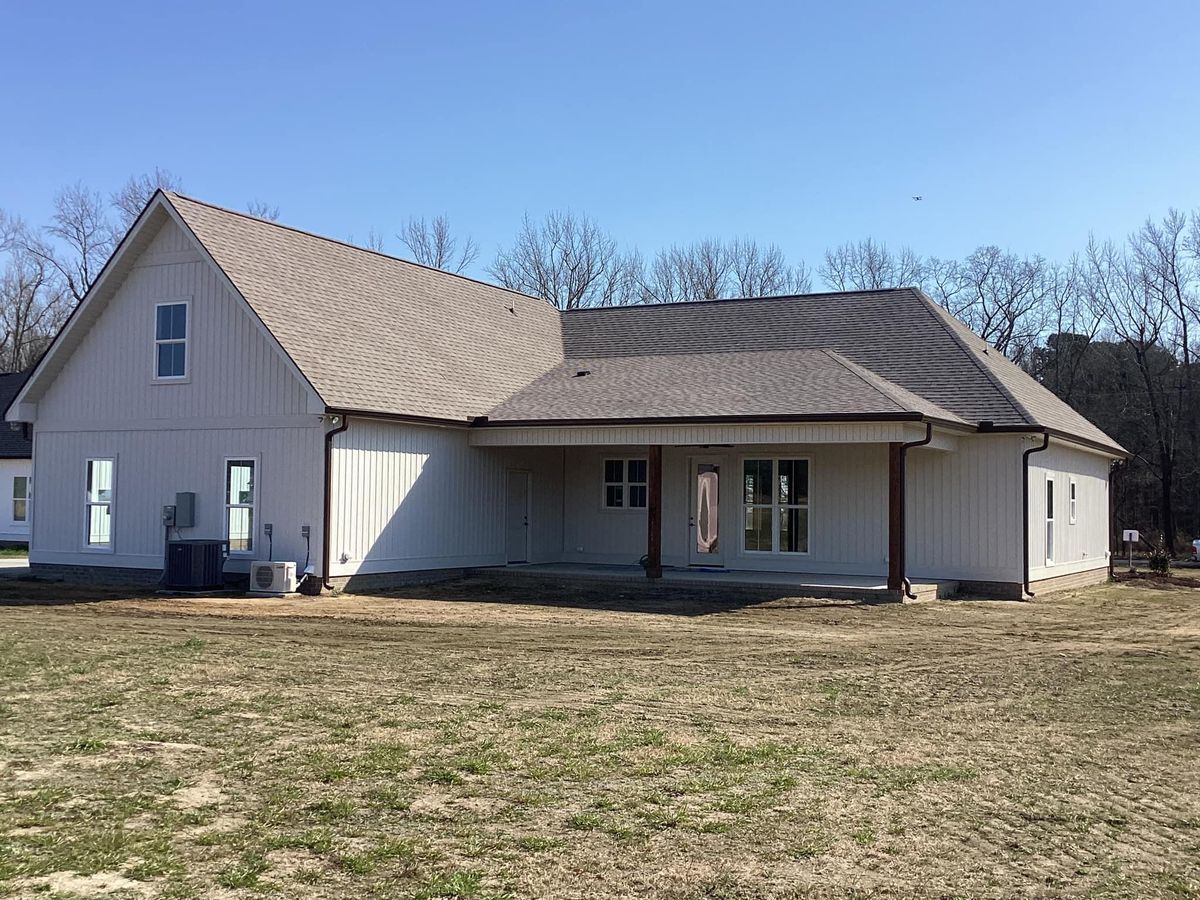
[858,587]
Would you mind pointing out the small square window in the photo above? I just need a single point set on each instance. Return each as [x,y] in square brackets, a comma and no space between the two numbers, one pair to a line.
[625,485]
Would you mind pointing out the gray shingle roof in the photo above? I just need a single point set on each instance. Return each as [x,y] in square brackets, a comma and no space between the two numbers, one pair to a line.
[375,333]
[13,444]
[747,384]
[898,334]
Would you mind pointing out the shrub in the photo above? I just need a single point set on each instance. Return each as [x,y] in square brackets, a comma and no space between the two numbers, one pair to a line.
[1160,558]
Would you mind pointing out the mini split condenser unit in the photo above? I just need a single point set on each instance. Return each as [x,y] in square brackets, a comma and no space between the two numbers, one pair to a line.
[272,577]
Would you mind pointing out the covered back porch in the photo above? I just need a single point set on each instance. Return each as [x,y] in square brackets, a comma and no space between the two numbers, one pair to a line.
[814,507]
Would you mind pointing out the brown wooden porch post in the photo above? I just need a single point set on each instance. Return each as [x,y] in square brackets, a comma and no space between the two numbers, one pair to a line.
[895,581]
[654,513]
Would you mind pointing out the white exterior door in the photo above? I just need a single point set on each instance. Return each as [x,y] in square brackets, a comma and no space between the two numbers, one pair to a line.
[705,543]
[516,516]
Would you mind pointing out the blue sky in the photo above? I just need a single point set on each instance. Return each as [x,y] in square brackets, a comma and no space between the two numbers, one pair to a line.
[806,124]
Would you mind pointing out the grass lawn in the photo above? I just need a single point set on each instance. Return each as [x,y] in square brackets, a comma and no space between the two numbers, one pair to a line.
[515,744]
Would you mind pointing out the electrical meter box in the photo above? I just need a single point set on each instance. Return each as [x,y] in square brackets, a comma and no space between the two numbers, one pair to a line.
[185,509]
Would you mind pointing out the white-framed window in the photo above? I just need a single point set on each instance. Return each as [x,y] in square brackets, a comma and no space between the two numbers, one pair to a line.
[241,500]
[20,498]
[625,484]
[775,504]
[99,497]
[171,340]
[1049,519]
[1073,506]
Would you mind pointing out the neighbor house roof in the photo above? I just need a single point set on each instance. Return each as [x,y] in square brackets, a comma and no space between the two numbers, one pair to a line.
[13,444]
[754,384]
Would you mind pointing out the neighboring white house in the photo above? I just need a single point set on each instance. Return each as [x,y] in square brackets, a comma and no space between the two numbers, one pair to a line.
[419,421]
[16,469]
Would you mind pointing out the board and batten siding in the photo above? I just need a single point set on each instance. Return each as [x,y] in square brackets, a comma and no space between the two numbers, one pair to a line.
[151,466]
[412,497]
[233,371]
[963,510]
[1084,545]
[847,509]
[240,399]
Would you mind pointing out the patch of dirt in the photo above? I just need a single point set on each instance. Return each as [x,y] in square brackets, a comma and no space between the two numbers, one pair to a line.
[1150,578]
[205,792]
[98,885]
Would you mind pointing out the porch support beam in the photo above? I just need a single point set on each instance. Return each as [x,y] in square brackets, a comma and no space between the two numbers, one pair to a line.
[895,580]
[654,512]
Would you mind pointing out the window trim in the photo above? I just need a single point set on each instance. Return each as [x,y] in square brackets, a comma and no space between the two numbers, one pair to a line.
[24,520]
[774,506]
[1072,501]
[89,547]
[253,507]
[186,302]
[624,484]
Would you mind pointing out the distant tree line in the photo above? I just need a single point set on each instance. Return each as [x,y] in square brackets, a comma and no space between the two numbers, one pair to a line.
[1112,330]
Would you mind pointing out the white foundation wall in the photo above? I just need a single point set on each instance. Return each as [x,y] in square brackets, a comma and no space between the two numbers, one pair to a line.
[151,466]
[963,510]
[1084,544]
[412,497]
[10,528]
[847,509]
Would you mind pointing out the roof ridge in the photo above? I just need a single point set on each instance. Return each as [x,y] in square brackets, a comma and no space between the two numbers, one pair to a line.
[933,310]
[859,373]
[772,298]
[332,240]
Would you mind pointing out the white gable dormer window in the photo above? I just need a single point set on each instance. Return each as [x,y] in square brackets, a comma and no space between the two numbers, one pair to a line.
[171,340]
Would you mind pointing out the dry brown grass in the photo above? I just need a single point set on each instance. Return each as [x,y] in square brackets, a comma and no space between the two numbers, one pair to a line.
[555,741]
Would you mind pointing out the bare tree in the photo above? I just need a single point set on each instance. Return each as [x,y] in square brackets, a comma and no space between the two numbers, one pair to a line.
[1001,297]
[434,244]
[702,270]
[568,261]
[765,272]
[1072,325]
[32,307]
[81,238]
[260,209]
[867,266]
[133,196]
[715,270]
[1120,293]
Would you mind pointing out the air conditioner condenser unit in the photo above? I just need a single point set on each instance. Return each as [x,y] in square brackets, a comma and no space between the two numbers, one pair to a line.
[272,577]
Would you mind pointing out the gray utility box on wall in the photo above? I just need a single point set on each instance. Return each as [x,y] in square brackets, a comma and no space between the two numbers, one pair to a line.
[185,509]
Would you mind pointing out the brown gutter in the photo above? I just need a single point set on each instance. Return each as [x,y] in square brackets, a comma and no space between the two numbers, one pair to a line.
[898,491]
[327,513]
[398,417]
[1025,508]
[484,422]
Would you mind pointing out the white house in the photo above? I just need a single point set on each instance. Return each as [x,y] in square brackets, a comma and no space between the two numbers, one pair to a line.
[16,469]
[415,421]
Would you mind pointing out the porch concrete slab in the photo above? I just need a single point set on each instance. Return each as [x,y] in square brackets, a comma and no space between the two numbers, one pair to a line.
[798,584]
